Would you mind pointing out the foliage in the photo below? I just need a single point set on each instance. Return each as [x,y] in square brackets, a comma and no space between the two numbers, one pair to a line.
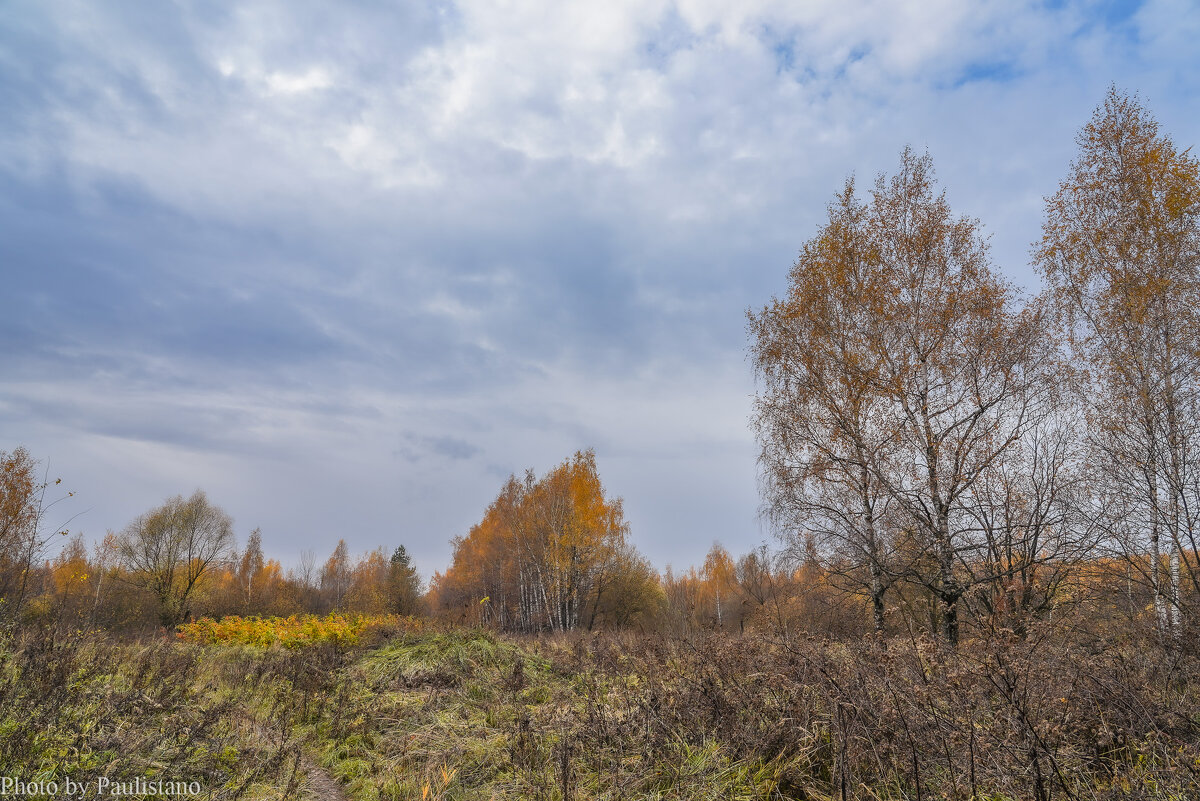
[296,631]
[546,556]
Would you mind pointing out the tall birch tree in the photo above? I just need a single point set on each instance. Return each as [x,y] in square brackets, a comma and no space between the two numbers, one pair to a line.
[897,372]
[1121,251]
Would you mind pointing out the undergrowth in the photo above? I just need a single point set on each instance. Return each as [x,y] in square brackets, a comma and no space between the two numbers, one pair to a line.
[86,707]
[468,714]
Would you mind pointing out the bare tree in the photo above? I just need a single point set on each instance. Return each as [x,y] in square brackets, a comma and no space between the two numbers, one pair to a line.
[168,550]
[306,571]
[1027,509]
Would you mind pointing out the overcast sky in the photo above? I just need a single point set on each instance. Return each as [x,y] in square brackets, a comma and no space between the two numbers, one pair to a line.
[345,266]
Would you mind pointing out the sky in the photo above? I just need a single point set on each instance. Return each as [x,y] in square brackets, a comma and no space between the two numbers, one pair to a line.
[347,266]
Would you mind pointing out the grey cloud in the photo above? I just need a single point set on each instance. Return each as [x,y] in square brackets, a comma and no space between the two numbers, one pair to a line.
[303,255]
[417,447]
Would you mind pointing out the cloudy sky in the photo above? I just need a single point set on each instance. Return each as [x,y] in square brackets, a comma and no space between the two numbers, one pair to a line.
[346,266]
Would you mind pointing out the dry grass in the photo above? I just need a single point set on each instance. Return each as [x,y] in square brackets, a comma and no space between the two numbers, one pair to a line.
[470,715]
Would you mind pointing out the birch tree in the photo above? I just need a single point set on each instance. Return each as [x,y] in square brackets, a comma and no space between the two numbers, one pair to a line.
[24,534]
[897,372]
[818,414]
[1121,251]
[543,551]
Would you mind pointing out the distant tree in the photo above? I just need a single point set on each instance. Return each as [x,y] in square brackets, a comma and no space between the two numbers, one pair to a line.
[369,591]
[539,555]
[105,562]
[404,584]
[755,577]
[720,581]
[71,579]
[168,550]
[336,576]
[250,572]
[681,592]
[303,583]
[626,593]
[764,587]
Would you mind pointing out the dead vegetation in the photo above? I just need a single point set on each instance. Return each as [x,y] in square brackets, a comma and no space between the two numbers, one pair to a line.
[466,714]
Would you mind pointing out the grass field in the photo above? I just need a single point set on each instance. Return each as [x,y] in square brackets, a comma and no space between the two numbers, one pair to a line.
[410,712]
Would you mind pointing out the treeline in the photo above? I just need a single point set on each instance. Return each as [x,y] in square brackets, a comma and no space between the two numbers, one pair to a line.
[172,564]
[573,568]
[551,554]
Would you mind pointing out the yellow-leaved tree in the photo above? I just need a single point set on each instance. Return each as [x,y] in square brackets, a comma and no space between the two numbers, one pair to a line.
[1121,251]
[549,554]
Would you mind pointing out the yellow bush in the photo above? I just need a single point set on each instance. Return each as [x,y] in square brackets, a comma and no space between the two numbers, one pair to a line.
[296,631]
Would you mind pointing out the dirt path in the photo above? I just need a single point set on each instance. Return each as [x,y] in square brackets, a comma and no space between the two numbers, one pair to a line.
[318,784]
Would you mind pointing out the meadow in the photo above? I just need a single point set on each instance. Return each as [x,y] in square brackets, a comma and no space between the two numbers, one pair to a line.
[407,711]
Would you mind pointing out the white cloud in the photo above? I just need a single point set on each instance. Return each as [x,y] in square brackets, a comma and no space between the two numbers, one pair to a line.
[298,82]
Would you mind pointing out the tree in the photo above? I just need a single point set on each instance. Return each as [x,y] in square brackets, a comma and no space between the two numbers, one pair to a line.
[541,552]
[580,531]
[24,534]
[1027,509]
[70,579]
[1121,252]
[250,572]
[626,593]
[818,416]
[719,575]
[168,550]
[105,561]
[897,372]
[305,582]
[369,591]
[762,581]
[404,584]
[336,576]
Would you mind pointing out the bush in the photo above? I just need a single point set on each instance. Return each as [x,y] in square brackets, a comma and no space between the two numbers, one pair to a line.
[296,631]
